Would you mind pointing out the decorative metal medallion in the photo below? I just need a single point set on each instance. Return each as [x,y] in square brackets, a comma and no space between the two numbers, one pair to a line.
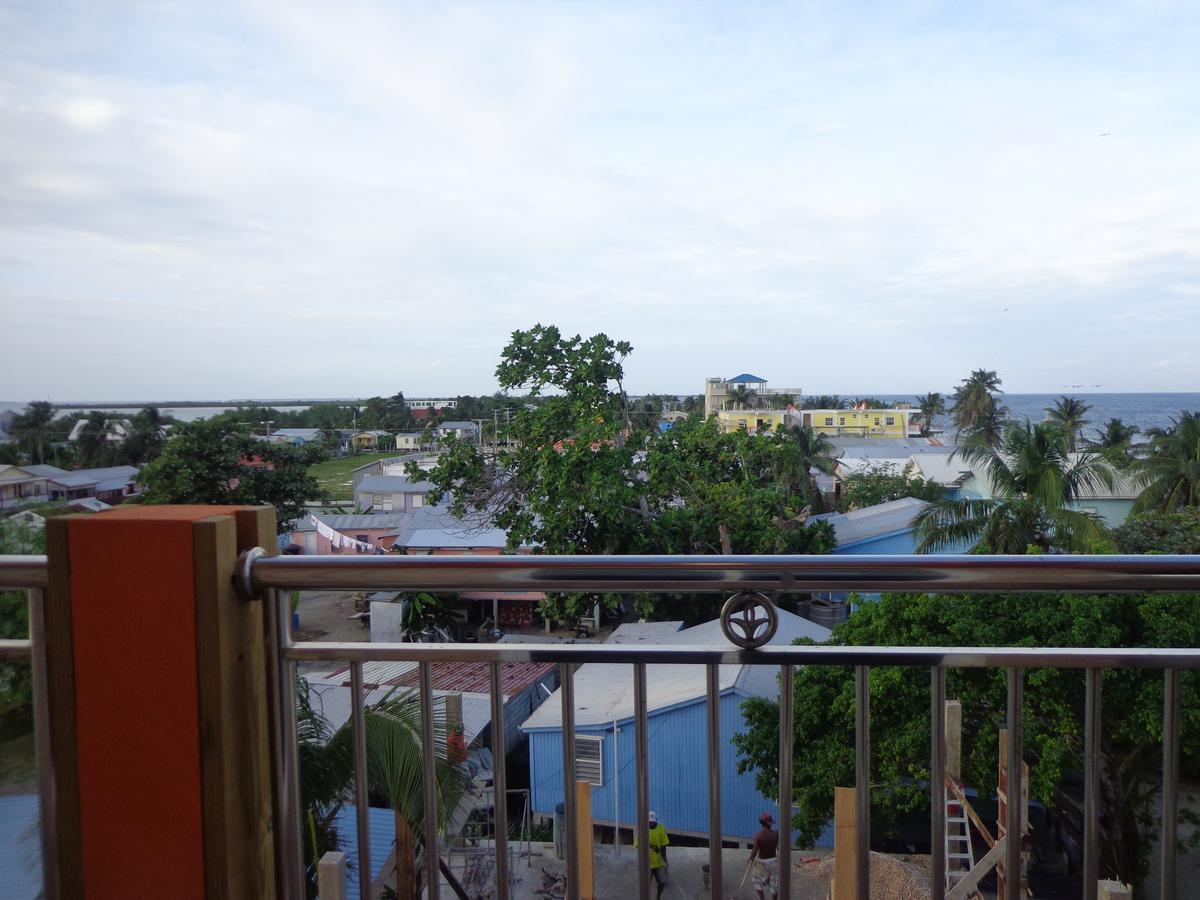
[749,619]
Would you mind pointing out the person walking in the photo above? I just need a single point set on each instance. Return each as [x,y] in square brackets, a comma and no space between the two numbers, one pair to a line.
[658,852]
[765,860]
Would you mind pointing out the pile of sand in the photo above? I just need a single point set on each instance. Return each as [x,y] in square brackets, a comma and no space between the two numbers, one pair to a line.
[890,877]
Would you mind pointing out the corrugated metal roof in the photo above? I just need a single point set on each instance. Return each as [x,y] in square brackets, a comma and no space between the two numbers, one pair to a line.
[940,467]
[643,632]
[395,484]
[604,691]
[447,676]
[332,703]
[382,836]
[873,521]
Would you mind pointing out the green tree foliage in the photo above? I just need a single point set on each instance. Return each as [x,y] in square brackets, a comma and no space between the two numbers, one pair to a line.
[931,404]
[33,430]
[825,401]
[975,411]
[1115,442]
[1169,471]
[1052,721]
[1068,414]
[16,685]
[1033,479]
[578,478]
[881,482]
[205,462]
[1155,532]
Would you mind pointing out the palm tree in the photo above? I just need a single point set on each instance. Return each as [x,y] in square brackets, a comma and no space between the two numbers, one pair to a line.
[973,399]
[933,404]
[988,428]
[1068,414]
[396,771]
[1115,441]
[32,429]
[1034,479]
[741,397]
[1169,473]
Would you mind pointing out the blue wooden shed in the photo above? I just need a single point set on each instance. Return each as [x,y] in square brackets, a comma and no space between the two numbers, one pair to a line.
[676,735]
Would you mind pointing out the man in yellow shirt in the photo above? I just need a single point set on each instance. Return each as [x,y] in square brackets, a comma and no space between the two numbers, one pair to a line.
[658,852]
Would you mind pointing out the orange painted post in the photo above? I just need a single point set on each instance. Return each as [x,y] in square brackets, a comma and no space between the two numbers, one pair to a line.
[157,711]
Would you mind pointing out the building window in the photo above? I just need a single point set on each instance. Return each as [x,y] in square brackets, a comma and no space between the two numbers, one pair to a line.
[841,420]
[829,420]
[386,504]
[418,500]
[877,420]
[890,420]
[364,538]
[589,759]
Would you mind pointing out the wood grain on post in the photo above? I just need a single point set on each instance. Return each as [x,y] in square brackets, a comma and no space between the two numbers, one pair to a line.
[583,837]
[845,844]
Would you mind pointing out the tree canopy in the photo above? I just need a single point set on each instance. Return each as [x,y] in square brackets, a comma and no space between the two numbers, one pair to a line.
[1052,721]
[1169,471]
[205,462]
[1034,478]
[881,482]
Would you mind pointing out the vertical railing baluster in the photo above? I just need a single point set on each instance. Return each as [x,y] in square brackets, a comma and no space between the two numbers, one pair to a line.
[41,738]
[358,728]
[862,779]
[642,754]
[282,677]
[937,783]
[1170,786]
[566,678]
[787,737]
[1014,821]
[1091,782]
[499,783]
[432,853]
[713,693]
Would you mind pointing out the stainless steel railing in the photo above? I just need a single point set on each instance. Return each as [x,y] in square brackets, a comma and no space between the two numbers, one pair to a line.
[271,577]
[739,574]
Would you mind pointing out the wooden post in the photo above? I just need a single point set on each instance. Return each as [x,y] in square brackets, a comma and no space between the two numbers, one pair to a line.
[583,837]
[331,876]
[157,703]
[845,844]
[954,740]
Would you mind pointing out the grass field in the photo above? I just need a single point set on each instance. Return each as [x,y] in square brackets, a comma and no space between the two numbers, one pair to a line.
[334,474]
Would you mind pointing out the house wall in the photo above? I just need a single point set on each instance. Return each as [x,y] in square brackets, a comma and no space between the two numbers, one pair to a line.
[753,420]
[400,501]
[319,544]
[858,423]
[1112,512]
[678,771]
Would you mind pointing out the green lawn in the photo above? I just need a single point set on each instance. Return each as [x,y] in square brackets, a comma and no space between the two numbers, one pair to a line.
[334,474]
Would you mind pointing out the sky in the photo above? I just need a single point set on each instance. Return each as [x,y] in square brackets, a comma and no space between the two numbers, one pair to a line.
[305,199]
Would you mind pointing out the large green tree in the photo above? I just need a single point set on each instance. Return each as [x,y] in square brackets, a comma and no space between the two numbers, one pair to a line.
[1052,715]
[205,462]
[1169,470]
[881,482]
[1034,480]
[1115,442]
[33,430]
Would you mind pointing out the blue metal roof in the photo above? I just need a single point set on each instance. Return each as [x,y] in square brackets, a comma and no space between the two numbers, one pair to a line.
[20,850]
[746,378]
[383,835]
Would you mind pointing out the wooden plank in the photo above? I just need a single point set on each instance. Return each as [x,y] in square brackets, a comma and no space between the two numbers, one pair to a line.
[845,844]
[234,760]
[583,836]
[60,696]
[970,881]
[954,740]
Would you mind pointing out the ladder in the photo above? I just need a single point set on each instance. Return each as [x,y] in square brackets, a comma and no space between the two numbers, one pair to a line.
[960,857]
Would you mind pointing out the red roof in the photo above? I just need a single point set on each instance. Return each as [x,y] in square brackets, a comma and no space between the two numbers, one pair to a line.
[476,677]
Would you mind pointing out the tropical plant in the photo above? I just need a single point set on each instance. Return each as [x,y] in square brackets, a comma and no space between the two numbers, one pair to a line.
[742,397]
[1053,717]
[1115,441]
[1033,479]
[1068,414]
[1169,471]
[974,401]
[881,482]
[1158,532]
[932,404]
[32,429]
[396,774]
[826,401]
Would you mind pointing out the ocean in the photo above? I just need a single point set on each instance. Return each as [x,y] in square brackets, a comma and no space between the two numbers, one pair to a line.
[1143,410]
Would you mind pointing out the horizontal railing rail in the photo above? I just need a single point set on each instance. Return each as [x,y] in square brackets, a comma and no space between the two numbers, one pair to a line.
[990,574]
[28,571]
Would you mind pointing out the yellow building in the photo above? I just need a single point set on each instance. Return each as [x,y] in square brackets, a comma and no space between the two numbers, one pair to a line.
[881,423]
[755,421]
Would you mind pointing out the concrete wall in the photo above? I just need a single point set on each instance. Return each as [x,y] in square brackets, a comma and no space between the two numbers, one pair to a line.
[387,620]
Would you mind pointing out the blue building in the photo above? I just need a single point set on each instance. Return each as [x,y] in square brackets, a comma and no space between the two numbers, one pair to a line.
[676,727]
[887,528]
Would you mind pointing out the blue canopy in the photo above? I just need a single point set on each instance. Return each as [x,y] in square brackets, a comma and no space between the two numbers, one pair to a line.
[745,378]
